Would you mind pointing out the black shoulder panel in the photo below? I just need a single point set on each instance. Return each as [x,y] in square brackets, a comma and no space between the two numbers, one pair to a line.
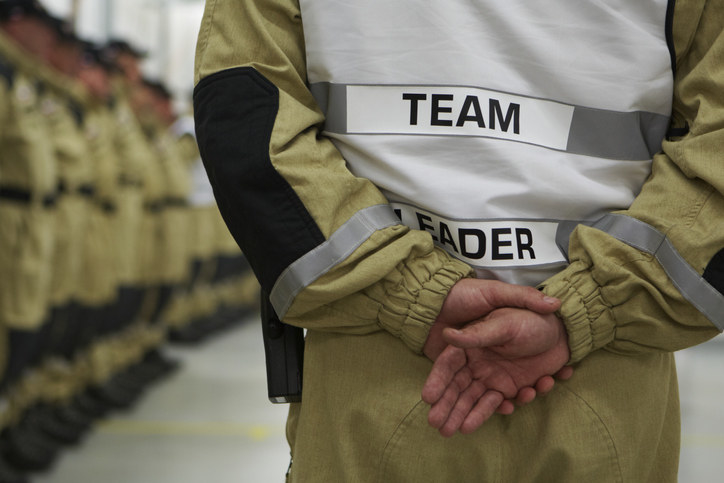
[714,273]
[235,112]
[7,72]
[670,33]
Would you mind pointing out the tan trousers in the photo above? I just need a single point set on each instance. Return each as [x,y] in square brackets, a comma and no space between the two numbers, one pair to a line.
[362,420]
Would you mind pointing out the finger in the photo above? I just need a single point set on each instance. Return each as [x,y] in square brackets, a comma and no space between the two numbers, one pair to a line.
[461,409]
[451,399]
[443,371]
[484,334]
[441,409]
[499,294]
[565,373]
[545,384]
[485,407]
[506,408]
[525,396]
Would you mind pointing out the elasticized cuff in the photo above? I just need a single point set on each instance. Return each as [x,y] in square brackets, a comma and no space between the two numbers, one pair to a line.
[415,301]
[588,319]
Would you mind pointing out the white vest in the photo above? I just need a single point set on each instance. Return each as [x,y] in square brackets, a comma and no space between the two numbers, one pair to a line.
[495,125]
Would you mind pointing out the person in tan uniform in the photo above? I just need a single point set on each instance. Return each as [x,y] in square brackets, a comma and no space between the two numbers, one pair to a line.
[141,194]
[362,157]
[173,257]
[65,105]
[103,338]
[175,217]
[28,196]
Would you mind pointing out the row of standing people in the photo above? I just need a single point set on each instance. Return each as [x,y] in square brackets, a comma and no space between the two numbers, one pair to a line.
[110,241]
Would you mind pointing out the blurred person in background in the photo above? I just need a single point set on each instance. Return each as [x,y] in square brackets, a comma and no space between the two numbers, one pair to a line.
[28,195]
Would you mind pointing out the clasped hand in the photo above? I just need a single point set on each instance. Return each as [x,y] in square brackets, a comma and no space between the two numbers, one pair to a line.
[493,344]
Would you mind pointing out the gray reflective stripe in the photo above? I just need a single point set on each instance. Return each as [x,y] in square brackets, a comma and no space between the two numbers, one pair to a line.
[601,133]
[646,238]
[616,135]
[336,95]
[323,258]
[563,235]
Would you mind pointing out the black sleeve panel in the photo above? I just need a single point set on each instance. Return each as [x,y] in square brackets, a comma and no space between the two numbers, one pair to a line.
[714,273]
[235,111]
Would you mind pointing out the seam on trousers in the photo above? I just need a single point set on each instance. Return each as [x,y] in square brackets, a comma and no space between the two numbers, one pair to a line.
[607,436]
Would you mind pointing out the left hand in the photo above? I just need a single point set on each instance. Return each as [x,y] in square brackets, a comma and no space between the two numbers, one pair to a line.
[512,353]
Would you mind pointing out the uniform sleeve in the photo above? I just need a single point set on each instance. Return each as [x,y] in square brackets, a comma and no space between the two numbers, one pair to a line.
[651,278]
[324,243]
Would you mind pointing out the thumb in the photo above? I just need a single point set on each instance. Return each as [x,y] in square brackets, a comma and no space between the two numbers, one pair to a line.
[481,334]
[498,294]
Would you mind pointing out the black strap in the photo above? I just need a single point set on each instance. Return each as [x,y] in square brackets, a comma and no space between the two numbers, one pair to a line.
[108,206]
[87,190]
[176,202]
[15,194]
[154,206]
[24,196]
[677,132]
[49,200]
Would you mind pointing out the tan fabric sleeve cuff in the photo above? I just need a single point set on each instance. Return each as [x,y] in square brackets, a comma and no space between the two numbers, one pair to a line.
[587,317]
[414,302]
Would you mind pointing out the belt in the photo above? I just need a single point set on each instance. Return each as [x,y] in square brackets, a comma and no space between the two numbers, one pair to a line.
[24,196]
[108,206]
[126,180]
[154,207]
[176,202]
[171,202]
[87,190]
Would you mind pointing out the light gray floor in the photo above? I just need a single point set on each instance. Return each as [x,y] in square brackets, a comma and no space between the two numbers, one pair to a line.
[211,422]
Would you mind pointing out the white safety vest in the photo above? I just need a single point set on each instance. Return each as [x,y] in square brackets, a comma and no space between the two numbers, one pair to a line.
[495,125]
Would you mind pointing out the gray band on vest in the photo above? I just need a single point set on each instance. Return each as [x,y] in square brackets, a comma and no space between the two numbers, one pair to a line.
[600,133]
[327,94]
[616,135]
[336,249]
[646,238]
[563,235]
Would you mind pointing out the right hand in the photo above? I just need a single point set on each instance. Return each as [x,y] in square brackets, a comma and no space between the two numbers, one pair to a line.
[471,299]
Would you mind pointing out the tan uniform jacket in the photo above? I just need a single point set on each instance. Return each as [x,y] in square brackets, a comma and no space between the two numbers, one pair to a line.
[102,251]
[62,106]
[29,185]
[133,155]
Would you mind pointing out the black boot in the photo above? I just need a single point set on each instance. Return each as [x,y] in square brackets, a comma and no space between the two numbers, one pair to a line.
[28,451]
[10,475]
[45,421]
[71,415]
[113,395]
[158,365]
[90,406]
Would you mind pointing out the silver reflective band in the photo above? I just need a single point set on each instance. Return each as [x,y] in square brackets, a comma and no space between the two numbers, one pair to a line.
[382,109]
[646,238]
[323,258]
